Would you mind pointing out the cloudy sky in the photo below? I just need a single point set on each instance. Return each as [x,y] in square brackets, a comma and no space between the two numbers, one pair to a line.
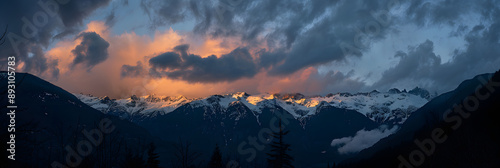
[198,48]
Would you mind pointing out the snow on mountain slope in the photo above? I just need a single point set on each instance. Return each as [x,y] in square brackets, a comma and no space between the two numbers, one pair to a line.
[393,106]
[146,105]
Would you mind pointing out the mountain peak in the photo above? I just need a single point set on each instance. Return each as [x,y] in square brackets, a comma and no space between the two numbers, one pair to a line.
[381,107]
[394,91]
[420,92]
[293,96]
[240,94]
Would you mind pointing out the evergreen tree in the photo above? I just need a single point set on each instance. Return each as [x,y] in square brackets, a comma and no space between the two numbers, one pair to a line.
[152,161]
[278,156]
[216,160]
[186,157]
[132,161]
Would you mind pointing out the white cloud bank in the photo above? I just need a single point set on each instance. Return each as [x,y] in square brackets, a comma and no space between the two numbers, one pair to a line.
[363,139]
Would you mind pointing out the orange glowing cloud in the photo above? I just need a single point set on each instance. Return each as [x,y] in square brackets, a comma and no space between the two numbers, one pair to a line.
[130,48]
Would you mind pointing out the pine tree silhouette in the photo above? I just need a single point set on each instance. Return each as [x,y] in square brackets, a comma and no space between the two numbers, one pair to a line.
[216,160]
[333,166]
[132,161]
[186,157]
[152,161]
[278,156]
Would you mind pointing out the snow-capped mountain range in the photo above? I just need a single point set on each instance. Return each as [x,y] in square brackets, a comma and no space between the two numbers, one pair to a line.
[394,105]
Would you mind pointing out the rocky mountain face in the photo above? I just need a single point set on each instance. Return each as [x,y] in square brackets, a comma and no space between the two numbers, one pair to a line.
[392,107]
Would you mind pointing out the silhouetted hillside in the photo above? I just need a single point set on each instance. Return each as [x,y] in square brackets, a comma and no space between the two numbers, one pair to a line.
[467,136]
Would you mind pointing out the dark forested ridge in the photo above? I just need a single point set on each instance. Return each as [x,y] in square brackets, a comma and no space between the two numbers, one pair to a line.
[52,127]
[456,129]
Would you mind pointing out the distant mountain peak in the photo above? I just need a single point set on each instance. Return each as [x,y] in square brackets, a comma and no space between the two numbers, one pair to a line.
[420,92]
[394,90]
[380,107]
[240,94]
[293,96]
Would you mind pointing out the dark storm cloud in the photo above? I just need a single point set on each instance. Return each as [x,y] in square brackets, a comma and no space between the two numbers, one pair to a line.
[132,71]
[55,70]
[110,19]
[34,24]
[192,68]
[450,12]
[419,62]
[37,63]
[445,11]
[75,11]
[421,66]
[91,51]
[300,34]
[324,42]
[268,59]
[461,30]
[182,49]
[303,34]
[480,56]
[164,12]
[169,60]
[317,46]
[340,82]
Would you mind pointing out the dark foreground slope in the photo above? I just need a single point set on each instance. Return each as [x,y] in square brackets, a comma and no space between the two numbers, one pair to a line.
[237,129]
[50,126]
[457,129]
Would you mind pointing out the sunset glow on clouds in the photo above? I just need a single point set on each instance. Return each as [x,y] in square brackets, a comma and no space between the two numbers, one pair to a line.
[120,48]
[130,48]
